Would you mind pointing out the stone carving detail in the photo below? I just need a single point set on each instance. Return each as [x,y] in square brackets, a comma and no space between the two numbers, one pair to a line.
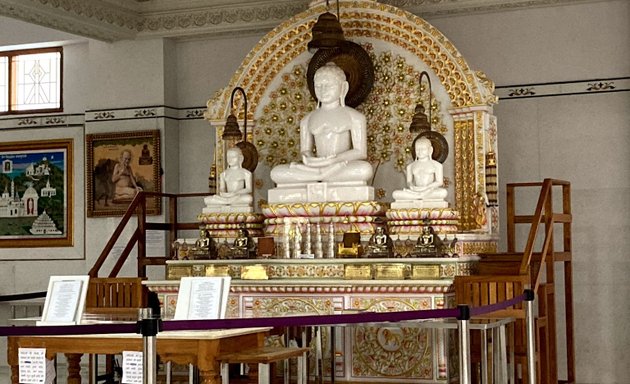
[27,121]
[54,120]
[195,113]
[601,86]
[104,115]
[392,351]
[529,91]
[145,112]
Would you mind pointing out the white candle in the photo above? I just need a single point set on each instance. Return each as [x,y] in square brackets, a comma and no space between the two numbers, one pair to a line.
[319,253]
[287,241]
[307,238]
[331,241]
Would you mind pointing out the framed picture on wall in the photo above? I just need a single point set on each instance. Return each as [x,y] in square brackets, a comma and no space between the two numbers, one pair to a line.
[36,193]
[118,166]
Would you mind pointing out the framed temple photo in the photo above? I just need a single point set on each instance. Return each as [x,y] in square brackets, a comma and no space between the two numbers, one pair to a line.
[36,193]
[118,166]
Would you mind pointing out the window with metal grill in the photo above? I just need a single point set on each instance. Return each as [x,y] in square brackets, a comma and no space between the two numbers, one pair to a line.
[31,81]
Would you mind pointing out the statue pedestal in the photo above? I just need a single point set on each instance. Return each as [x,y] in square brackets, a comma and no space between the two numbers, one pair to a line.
[209,210]
[409,221]
[419,204]
[227,224]
[320,192]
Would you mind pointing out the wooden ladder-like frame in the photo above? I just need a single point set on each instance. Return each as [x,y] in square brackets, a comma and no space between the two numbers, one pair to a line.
[503,276]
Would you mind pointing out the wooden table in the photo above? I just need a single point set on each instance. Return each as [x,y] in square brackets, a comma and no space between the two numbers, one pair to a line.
[199,348]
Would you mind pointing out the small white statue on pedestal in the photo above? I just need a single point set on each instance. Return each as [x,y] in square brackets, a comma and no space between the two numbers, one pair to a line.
[338,172]
[425,180]
[235,187]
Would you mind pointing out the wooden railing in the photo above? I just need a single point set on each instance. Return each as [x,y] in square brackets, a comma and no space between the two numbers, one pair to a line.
[138,239]
[504,275]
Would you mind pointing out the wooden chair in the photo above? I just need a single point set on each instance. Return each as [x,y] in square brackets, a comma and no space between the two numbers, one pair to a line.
[116,296]
[119,298]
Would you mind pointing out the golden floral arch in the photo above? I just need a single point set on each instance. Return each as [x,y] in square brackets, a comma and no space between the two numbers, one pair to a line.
[462,105]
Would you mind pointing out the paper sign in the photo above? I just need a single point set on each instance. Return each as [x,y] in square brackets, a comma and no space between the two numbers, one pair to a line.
[32,365]
[205,299]
[202,298]
[132,367]
[65,300]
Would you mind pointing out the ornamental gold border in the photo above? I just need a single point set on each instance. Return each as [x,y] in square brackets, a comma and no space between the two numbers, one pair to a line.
[465,172]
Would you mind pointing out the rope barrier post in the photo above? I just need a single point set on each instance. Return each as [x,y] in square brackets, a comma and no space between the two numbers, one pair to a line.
[463,327]
[149,326]
[530,332]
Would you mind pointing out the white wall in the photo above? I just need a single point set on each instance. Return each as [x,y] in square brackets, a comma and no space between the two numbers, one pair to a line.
[556,43]
[581,138]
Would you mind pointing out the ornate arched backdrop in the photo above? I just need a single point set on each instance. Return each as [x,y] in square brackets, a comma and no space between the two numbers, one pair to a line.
[401,45]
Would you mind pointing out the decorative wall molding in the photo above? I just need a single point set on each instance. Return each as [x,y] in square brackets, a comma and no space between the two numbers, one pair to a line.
[44,121]
[436,8]
[109,20]
[144,112]
[563,88]
[505,92]
[89,18]
[95,116]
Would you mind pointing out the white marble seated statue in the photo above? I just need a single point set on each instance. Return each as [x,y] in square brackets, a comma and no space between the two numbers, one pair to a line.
[337,171]
[425,181]
[235,187]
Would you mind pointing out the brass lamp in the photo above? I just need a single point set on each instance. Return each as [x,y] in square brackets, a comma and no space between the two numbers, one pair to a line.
[421,125]
[420,122]
[231,129]
[232,132]
[327,31]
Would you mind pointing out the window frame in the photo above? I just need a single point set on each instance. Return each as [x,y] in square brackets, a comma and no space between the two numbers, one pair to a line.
[11,95]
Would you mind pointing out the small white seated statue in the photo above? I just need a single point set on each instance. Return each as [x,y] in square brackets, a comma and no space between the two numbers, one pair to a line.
[235,187]
[425,180]
[338,171]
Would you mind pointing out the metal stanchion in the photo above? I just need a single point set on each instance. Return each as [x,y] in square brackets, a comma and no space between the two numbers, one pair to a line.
[530,331]
[463,328]
[149,326]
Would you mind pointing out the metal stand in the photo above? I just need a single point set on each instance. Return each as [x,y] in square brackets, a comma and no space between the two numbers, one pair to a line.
[463,327]
[149,326]
[531,346]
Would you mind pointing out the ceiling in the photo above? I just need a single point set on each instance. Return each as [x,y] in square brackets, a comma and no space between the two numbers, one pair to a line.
[112,20]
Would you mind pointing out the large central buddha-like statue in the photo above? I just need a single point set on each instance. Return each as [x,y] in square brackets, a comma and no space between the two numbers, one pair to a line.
[333,144]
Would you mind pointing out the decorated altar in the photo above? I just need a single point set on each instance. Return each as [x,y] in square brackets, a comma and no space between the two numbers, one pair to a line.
[335,286]
[312,182]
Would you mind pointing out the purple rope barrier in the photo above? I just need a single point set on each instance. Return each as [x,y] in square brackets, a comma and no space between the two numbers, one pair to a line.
[293,321]
[56,330]
[285,321]
[476,311]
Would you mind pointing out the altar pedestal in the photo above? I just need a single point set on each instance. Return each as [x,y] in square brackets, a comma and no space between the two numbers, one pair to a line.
[357,216]
[335,286]
[409,221]
[320,192]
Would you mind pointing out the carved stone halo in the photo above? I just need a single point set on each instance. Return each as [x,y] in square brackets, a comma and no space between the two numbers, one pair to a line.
[356,64]
[439,143]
